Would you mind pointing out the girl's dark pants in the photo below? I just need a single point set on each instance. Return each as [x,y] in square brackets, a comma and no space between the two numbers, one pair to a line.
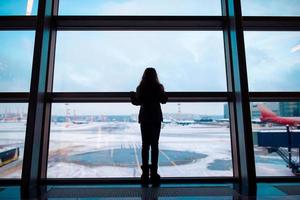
[150,136]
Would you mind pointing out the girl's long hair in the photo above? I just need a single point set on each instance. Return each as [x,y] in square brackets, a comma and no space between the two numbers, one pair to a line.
[149,78]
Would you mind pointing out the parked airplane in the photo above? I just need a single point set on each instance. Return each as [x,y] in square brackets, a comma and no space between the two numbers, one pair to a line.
[185,122]
[268,116]
[80,122]
[203,120]
[167,121]
[179,122]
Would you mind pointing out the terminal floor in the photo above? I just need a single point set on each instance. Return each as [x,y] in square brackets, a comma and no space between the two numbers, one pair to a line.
[265,191]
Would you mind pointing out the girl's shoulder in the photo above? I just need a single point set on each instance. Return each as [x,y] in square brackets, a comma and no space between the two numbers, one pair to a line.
[161,87]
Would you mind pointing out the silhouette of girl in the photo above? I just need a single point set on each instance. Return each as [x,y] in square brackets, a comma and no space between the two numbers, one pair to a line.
[149,94]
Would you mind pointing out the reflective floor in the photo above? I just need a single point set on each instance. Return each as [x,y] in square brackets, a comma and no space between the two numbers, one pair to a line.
[274,191]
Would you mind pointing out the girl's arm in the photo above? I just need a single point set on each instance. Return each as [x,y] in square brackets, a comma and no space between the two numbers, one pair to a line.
[163,95]
[134,99]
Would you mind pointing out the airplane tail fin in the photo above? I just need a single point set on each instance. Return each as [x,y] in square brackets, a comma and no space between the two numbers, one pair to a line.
[265,112]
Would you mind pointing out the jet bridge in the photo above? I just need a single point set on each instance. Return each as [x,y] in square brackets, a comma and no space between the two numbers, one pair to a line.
[282,142]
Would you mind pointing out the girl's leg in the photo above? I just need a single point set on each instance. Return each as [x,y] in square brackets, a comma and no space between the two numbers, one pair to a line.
[154,144]
[155,178]
[145,155]
[145,144]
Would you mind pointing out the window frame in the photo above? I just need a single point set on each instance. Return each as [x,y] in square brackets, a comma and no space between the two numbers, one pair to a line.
[40,97]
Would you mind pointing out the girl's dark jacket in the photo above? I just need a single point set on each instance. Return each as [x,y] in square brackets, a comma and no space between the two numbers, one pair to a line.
[149,98]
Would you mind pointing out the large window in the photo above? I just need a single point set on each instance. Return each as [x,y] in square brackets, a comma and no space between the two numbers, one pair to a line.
[104,140]
[140,7]
[115,61]
[16,55]
[13,117]
[89,54]
[273,60]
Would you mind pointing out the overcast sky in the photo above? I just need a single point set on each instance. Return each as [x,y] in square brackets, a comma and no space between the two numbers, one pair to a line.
[115,61]
[185,60]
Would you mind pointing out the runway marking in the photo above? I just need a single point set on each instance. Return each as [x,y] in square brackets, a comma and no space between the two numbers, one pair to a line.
[112,156]
[172,162]
[137,159]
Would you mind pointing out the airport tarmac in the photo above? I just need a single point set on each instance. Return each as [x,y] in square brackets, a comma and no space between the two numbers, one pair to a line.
[112,149]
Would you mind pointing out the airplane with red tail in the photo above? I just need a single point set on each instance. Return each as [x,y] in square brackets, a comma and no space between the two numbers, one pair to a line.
[266,115]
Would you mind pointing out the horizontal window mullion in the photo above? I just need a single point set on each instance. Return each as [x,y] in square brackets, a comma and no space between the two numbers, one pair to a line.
[151,23]
[75,181]
[274,96]
[14,97]
[271,23]
[125,97]
[139,22]
[18,22]
[277,179]
[10,181]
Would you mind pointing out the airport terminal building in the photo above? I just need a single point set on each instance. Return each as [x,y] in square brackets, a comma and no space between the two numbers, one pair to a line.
[231,125]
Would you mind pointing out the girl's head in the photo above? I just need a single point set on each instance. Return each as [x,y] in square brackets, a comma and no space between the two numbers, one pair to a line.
[150,76]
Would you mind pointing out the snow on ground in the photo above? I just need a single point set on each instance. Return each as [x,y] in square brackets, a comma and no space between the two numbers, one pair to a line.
[210,140]
[265,169]
[68,170]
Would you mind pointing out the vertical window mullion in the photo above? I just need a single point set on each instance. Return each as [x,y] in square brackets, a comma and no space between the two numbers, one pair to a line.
[239,109]
[34,129]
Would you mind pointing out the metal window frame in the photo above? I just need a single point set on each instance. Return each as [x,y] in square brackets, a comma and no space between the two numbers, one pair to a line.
[18,23]
[119,97]
[272,23]
[40,97]
[80,181]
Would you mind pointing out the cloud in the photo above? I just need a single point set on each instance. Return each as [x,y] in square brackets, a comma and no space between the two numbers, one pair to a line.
[270,8]
[16,56]
[295,48]
[269,60]
[162,7]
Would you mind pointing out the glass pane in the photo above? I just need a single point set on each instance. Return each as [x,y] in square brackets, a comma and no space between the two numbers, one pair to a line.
[16,54]
[276,132]
[273,60]
[13,118]
[271,7]
[114,61]
[104,140]
[140,7]
[18,7]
